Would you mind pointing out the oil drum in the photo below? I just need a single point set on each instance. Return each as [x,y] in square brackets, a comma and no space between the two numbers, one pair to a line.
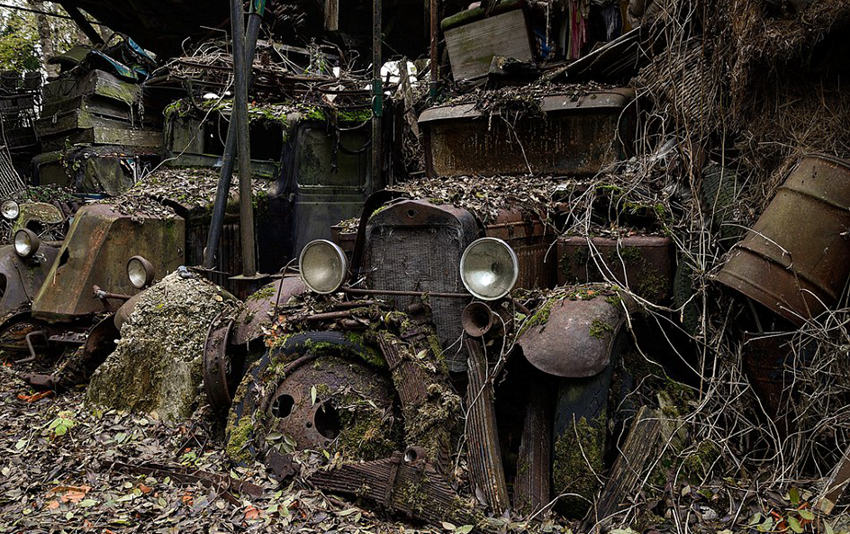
[796,258]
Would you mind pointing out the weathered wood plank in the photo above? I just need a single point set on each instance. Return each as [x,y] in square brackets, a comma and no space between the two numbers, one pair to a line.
[93,104]
[836,484]
[96,82]
[331,15]
[638,451]
[105,135]
[472,46]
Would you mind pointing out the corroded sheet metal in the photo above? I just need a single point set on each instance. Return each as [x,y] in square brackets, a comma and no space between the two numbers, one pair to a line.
[23,277]
[579,136]
[798,273]
[575,340]
[38,212]
[217,379]
[95,252]
[643,264]
[532,240]
[764,360]
[256,313]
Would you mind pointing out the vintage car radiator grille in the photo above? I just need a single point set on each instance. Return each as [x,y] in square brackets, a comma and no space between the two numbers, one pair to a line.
[416,246]
[421,259]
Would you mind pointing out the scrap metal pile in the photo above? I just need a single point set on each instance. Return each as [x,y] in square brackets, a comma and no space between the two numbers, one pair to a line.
[592,278]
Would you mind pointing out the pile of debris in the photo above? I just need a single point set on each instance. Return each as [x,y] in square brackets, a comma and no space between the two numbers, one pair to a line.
[156,366]
[185,189]
[94,131]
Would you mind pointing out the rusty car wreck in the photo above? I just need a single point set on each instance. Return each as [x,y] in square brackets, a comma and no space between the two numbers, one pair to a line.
[507,266]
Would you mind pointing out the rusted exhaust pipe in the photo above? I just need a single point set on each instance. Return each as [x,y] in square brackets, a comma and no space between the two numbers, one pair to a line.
[477,319]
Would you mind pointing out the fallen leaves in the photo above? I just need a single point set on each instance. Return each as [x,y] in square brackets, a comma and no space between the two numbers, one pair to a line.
[70,494]
[252,513]
[35,397]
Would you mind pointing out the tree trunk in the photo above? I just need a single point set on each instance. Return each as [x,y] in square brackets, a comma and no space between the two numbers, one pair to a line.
[45,36]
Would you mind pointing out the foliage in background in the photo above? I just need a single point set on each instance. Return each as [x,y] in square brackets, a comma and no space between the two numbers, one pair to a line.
[19,46]
[28,39]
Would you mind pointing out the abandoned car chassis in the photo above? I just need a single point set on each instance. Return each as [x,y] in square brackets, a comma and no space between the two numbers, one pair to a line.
[411,322]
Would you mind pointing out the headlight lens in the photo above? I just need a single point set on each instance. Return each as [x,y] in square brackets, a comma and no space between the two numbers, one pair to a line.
[140,272]
[323,266]
[489,268]
[10,210]
[26,243]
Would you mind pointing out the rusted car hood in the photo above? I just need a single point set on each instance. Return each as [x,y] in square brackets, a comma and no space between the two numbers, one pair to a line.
[23,277]
[96,250]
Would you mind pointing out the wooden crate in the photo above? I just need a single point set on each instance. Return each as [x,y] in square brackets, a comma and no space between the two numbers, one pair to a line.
[472,45]
[96,82]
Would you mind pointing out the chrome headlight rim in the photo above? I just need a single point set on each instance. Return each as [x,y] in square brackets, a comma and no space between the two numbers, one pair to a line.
[510,255]
[10,210]
[140,272]
[26,243]
[335,254]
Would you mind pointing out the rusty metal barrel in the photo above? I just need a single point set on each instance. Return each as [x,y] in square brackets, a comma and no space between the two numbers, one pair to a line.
[796,258]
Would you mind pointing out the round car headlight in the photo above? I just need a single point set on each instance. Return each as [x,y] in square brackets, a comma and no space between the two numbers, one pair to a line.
[489,268]
[10,210]
[140,272]
[323,266]
[26,243]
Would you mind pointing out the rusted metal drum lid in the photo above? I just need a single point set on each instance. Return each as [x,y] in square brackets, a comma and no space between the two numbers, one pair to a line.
[795,260]
[577,339]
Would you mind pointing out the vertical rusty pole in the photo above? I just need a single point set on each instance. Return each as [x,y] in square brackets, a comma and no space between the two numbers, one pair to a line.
[226,174]
[434,85]
[377,93]
[243,141]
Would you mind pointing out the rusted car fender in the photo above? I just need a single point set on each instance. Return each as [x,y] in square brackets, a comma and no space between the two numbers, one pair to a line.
[576,340]
[34,214]
[256,313]
[228,339]
[23,277]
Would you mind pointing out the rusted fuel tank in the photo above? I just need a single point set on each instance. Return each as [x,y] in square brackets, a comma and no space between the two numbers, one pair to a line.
[577,135]
[796,258]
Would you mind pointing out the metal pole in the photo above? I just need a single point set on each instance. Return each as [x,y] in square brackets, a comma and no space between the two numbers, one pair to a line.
[435,74]
[243,141]
[222,193]
[82,23]
[377,93]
